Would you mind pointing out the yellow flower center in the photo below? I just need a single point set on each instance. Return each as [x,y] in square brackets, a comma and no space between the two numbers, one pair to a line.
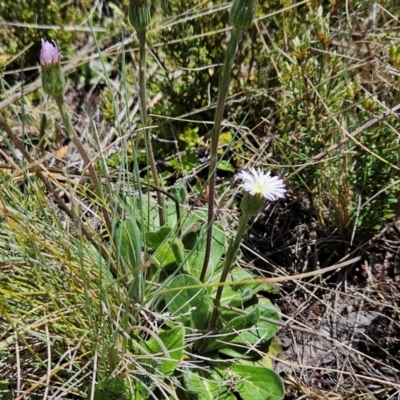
[258,187]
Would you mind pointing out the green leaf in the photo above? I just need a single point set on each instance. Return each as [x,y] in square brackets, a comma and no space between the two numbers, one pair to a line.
[196,257]
[189,306]
[148,217]
[224,165]
[173,341]
[155,239]
[269,287]
[129,240]
[274,349]
[265,361]
[163,360]
[191,137]
[5,392]
[177,248]
[197,217]
[237,353]
[206,386]
[233,328]
[165,256]
[190,239]
[237,295]
[179,191]
[259,383]
[262,331]
[113,388]
[172,218]
[259,335]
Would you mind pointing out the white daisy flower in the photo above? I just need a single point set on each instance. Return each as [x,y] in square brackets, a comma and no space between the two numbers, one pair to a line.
[257,182]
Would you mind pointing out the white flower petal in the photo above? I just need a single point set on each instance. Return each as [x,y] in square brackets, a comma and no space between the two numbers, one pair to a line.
[258,182]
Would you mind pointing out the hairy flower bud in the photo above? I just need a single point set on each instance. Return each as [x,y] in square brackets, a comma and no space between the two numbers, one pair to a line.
[242,13]
[52,75]
[139,14]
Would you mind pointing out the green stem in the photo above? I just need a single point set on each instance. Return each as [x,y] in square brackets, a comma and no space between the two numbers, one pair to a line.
[143,108]
[222,91]
[229,260]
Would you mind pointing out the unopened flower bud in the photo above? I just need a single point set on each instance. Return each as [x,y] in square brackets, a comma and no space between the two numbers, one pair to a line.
[139,14]
[52,75]
[242,13]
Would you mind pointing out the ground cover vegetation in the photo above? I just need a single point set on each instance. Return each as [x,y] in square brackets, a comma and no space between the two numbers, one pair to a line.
[199,200]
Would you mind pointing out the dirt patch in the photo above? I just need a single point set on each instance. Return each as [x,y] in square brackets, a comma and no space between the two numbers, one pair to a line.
[342,336]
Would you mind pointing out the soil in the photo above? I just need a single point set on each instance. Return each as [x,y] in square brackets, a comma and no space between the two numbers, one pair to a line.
[342,337]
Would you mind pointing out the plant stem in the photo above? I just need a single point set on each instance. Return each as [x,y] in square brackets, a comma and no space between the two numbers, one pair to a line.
[230,258]
[143,109]
[87,161]
[223,89]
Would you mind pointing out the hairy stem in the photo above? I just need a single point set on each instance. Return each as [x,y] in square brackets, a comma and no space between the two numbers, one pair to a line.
[222,91]
[143,107]
[230,258]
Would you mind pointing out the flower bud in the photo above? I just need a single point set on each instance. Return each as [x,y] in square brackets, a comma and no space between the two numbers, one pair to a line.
[139,14]
[242,13]
[52,75]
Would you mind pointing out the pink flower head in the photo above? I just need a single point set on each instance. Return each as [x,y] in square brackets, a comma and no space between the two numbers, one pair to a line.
[49,54]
